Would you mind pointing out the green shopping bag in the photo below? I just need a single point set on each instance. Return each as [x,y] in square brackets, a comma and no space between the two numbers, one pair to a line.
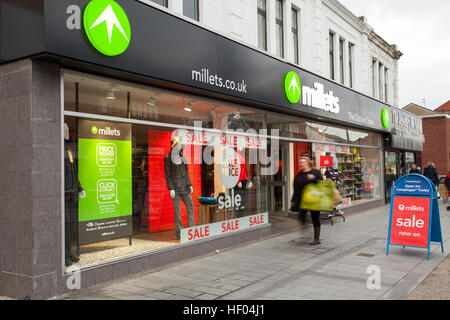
[318,196]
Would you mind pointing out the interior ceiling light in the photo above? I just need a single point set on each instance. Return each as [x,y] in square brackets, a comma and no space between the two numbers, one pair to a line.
[189,107]
[152,101]
[111,95]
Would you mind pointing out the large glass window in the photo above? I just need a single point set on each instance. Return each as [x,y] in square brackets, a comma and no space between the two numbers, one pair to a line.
[147,168]
[262,25]
[191,9]
[279,22]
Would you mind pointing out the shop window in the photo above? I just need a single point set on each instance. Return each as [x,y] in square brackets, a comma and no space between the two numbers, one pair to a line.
[139,171]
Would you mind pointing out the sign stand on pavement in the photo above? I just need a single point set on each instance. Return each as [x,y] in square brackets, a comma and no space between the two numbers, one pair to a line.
[414,216]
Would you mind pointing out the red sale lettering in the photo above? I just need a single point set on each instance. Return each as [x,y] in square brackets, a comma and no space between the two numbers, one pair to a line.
[230,226]
[198,233]
[256,220]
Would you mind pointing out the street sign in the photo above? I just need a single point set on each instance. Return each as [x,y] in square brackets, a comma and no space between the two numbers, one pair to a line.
[414,216]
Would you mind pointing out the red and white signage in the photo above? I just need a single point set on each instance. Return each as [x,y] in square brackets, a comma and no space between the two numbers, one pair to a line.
[410,221]
[226,139]
[330,148]
[223,227]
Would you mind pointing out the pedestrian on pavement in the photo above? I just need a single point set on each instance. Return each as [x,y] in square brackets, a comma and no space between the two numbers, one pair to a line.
[306,176]
[431,173]
[414,169]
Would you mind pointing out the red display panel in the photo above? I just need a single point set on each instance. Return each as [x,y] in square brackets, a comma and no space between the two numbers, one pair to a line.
[160,212]
[410,221]
[326,162]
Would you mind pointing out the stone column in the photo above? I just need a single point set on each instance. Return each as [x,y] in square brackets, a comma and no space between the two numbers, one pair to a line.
[30,204]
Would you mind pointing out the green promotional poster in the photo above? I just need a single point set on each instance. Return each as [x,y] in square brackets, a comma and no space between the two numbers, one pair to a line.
[105,174]
[318,196]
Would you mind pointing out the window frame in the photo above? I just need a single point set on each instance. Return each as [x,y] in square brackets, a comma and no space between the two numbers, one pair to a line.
[262,12]
[295,33]
[331,35]
[279,24]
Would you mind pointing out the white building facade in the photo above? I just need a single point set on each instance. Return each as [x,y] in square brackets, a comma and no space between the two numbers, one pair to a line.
[321,36]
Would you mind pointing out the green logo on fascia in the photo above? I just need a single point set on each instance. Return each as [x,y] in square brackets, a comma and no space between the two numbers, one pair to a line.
[292,87]
[385,118]
[94,130]
[107,27]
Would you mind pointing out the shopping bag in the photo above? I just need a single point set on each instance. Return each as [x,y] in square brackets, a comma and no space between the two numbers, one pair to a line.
[337,196]
[318,196]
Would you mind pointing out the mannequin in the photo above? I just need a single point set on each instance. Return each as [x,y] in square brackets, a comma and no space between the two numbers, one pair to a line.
[179,185]
[244,184]
[73,191]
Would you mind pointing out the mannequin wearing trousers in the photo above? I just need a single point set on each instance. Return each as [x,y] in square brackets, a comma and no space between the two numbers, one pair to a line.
[73,191]
[179,185]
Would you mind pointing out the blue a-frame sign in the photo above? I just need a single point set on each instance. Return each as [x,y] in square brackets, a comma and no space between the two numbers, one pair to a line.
[416,186]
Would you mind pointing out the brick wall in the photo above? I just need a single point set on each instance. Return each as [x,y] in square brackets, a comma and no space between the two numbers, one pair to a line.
[437,144]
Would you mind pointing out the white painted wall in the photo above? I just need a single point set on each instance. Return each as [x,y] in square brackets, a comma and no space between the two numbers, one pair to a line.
[237,19]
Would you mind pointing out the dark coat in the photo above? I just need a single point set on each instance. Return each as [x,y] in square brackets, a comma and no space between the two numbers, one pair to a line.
[177,175]
[431,173]
[416,171]
[299,183]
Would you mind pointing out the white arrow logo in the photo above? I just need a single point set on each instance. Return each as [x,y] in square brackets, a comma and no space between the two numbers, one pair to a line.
[111,20]
[294,86]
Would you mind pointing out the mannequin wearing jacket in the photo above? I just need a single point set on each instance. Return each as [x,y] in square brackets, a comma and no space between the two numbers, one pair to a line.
[73,191]
[179,185]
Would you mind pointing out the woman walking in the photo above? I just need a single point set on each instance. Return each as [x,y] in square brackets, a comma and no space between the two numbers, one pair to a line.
[431,173]
[305,176]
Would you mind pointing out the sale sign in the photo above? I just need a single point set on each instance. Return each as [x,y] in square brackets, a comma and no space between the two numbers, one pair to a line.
[223,227]
[414,218]
[410,221]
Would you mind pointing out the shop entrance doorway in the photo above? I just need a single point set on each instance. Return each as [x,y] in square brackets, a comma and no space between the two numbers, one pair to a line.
[278,184]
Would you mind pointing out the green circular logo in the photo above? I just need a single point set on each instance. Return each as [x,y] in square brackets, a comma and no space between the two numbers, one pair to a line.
[385,118]
[107,27]
[94,130]
[292,87]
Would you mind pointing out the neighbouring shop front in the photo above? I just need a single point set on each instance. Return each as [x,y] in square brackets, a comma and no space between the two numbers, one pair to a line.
[176,143]
[401,147]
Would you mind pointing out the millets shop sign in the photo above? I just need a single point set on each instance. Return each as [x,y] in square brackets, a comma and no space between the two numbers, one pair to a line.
[115,35]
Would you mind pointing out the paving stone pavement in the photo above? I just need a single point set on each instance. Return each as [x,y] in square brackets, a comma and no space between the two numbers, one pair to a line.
[286,267]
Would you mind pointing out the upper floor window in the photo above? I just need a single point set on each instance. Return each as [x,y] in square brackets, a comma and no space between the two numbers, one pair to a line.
[331,45]
[386,78]
[380,81]
[279,28]
[374,78]
[295,35]
[262,25]
[163,3]
[341,59]
[350,64]
[190,9]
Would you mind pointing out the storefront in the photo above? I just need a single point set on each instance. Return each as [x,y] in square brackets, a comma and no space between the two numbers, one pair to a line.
[401,147]
[131,144]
